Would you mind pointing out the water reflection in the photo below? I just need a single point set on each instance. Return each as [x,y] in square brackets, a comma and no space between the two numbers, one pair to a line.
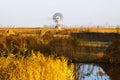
[90,72]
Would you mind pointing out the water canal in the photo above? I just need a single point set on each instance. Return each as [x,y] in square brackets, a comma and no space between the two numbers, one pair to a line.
[91,71]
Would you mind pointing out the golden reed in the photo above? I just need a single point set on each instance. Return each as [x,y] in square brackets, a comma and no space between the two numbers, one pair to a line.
[36,67]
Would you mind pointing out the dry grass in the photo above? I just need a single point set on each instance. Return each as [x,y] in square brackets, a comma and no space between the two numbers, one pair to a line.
[36,67]
[64,30]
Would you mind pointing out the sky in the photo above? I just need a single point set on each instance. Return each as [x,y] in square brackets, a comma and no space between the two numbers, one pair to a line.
[32,13]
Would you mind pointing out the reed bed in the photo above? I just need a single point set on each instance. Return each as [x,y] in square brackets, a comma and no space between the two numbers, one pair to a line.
[35,67]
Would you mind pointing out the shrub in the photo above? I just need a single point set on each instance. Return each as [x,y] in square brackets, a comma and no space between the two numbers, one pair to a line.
[113,52]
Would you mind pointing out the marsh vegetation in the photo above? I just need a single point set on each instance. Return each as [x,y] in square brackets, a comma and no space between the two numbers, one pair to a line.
[49,53]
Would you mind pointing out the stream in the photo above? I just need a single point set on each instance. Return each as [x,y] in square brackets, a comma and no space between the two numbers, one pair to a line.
[91,71]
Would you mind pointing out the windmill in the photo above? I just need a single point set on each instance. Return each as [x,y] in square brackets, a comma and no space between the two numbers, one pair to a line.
[57,18]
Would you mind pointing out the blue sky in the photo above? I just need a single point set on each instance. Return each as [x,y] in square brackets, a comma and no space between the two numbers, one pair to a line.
[76,12]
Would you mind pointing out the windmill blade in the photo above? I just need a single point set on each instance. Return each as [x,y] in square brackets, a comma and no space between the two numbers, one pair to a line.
[58,15]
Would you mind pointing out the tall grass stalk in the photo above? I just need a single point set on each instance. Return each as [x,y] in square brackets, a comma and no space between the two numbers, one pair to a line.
[36,67]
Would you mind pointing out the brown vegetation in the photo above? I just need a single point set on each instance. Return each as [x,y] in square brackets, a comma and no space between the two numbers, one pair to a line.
[72,43]
[113,52]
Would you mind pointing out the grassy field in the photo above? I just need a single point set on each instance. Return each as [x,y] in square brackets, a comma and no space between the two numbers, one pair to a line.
[55,41]
[25,53]
[64,30]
